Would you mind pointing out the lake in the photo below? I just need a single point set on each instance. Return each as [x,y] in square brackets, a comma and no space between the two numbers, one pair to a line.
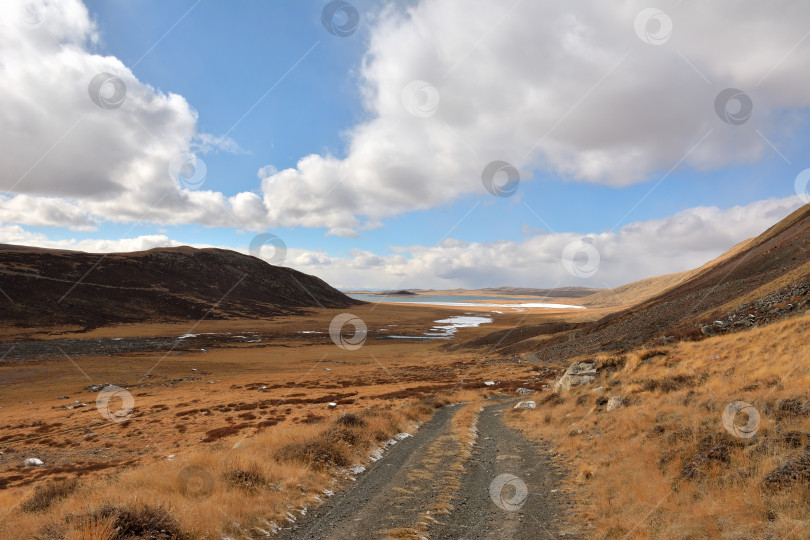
[461,300]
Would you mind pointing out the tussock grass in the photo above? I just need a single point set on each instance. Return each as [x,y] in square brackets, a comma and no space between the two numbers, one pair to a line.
[664,466]
[237,488]
[45,495]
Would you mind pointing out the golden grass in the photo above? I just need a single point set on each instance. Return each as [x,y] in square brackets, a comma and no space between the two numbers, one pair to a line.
[223,489]
[636,292]
[663,466]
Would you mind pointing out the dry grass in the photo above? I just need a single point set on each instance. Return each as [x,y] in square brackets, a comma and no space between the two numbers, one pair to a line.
[663,466]
[45,495]
[247,488]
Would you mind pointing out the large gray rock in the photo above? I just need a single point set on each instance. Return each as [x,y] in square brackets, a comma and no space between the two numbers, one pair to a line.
[577,374]
[615,402]
[707,330]
[526,405]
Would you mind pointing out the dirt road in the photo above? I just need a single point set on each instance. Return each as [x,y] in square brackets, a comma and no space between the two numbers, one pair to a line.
[421,488]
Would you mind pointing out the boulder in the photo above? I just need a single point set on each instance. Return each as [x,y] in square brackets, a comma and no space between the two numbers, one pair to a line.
[523,391]
[577,374]
[615,402]
[707,331]
[526,405]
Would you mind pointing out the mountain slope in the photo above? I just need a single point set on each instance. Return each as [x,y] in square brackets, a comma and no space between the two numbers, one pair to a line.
[43,287]
[758,265]
[765,277]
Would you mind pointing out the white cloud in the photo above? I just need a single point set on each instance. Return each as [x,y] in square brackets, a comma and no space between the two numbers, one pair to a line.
[557,86]
[14,234]
[57,141]
[638,250]
[560,86]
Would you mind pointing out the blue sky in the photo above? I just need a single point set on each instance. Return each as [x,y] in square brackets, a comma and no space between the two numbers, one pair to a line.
[222,57]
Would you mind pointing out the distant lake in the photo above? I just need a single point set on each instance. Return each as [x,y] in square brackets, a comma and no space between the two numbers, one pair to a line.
[433,298]
[460,300]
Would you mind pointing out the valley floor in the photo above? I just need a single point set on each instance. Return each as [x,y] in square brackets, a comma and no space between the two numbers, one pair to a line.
[246,429]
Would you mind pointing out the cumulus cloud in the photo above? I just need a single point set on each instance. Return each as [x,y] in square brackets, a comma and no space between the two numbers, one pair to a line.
[638,250]
[16,235]
[566,88]
[84,140]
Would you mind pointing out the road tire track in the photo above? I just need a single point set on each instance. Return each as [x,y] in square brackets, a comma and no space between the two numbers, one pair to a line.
[392,498]
[375,503]
[498,450]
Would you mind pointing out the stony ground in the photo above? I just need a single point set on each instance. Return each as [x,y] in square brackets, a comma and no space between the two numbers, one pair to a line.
[506,487]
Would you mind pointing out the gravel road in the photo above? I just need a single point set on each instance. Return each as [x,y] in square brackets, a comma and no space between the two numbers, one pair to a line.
[526,506]
[396,497]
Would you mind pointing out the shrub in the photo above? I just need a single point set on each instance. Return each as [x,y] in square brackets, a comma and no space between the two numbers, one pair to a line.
[45,495]
[249,478]
[142,521]
[351,420]
[320,451]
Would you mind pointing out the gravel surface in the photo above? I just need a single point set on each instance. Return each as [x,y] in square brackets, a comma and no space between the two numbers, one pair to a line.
[397,491]
[500,450]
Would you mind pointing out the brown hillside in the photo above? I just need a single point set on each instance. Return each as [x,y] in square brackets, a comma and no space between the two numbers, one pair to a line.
[757,281]
[43,287]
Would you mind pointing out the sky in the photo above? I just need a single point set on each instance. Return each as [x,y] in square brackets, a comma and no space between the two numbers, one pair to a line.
[421,144]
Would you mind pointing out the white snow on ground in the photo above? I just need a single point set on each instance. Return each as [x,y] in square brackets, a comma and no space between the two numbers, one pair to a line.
[477,304]
[186,336]
[446,328]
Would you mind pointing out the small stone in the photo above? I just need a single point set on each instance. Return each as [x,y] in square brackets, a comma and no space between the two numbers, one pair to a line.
[332,405]
[615,402]
[33,462]
[489,383]
[523,391]
[526,405]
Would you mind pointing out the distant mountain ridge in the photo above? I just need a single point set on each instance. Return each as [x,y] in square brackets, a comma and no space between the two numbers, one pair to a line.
[560,292]
[43,287]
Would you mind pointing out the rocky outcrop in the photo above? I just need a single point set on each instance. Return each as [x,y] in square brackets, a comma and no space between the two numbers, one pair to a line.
[577,374]
[791,300]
